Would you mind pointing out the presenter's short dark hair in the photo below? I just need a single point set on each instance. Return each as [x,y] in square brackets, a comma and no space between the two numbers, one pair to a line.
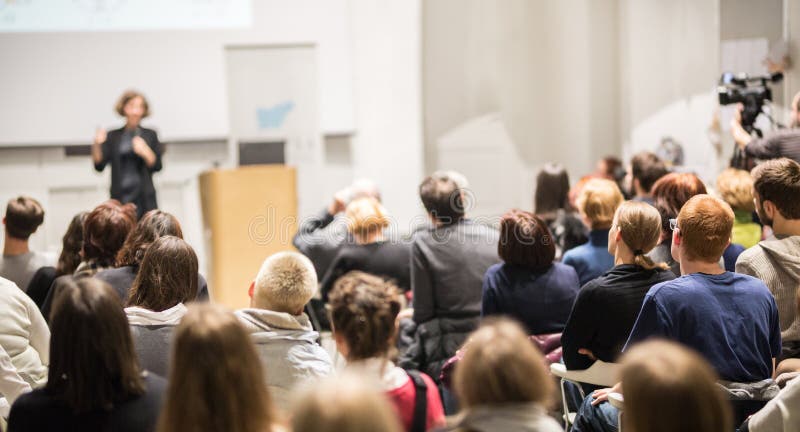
[23,217]
[127,97]
[525,240]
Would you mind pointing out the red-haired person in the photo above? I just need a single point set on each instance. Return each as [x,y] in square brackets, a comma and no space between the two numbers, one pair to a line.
[670,193]
[730,319]
[104,232]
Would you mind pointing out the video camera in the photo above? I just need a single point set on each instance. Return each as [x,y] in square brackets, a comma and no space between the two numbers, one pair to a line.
[753,93]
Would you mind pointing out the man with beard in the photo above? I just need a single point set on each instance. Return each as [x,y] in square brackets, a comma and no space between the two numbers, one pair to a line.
[776,261]
[783,143]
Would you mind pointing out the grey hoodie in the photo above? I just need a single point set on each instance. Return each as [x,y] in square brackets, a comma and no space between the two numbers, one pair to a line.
[152,334]
[288,348]
[777,263]
[524,417]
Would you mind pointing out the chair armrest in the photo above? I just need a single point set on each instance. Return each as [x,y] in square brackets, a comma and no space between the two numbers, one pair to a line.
[599,373]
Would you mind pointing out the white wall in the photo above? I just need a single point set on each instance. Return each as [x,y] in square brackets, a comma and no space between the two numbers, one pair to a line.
[549,71]
[387,147]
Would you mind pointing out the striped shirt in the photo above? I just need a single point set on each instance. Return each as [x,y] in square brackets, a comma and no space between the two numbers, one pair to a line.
[783,143]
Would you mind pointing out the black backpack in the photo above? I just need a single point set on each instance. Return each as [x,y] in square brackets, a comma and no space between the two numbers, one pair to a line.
[420,419]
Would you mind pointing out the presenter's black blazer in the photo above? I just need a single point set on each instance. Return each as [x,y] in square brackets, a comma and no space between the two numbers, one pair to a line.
[145,197]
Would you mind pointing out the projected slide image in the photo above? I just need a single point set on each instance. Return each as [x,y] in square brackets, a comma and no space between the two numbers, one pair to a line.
[122,15]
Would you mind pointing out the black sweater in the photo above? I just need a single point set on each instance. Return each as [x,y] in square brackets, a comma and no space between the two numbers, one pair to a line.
[605,311]
[42,411]
[389,260]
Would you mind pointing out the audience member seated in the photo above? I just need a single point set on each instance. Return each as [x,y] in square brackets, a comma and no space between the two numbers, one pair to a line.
[669,388]
[12,385]
[24,334]
[95,383]
[104,232]
[670,193]
[167,279]
[597,202]
[528,286]
[318,238]
[735,187]
[344,403]
[551,203]
[448,261]
[730,319]
[370,251]
[282,333]
[364,311]
[18,264]
[776,261]
[502,383]
[71,245]
[216,382]
[606,307]
[154,224]
[780,414]
[646,169]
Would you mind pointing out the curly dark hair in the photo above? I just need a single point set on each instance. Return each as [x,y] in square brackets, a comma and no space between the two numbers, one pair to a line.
[363,310]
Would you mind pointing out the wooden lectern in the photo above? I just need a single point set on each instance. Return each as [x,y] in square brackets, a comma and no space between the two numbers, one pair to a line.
[249,213]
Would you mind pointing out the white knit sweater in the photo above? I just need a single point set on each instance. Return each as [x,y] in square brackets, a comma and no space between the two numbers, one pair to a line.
[24,333]
[777,263]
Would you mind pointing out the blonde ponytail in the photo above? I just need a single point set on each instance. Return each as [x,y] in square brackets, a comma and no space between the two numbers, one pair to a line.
[640,226]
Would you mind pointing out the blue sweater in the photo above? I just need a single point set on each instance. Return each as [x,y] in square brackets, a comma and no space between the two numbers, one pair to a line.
[591,259]
[541,302]
[729,318]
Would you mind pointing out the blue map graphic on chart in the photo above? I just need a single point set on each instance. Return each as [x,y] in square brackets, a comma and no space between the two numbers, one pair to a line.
[274,116]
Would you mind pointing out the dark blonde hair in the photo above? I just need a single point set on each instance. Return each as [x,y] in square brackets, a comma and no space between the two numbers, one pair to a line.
[363,310]
[216,381]
[670,388]
[128,96]
[344,403]
[705,224]
[500,366]
[598,200]
[93,364]
[167,276]
[639,225]
[735,187]
[366,215]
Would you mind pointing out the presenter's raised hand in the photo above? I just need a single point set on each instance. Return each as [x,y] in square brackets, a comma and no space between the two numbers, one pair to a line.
[144,151]
[100,136]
